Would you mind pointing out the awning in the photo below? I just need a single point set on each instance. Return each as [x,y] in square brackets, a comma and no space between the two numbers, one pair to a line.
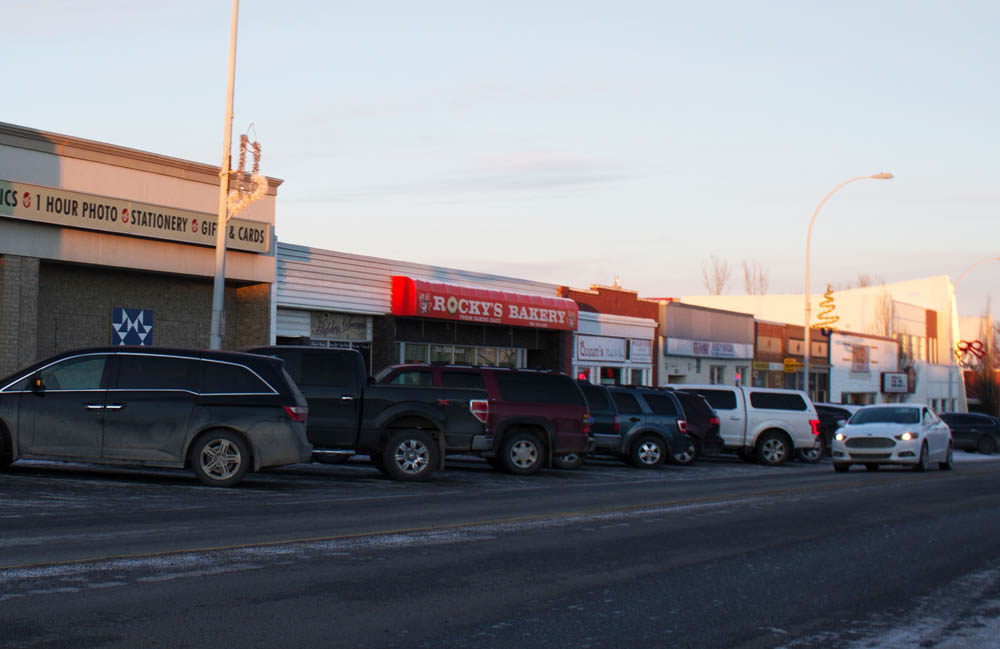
[416,297]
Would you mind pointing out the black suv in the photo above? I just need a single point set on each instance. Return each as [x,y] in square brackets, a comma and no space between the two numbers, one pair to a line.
[604,423]
[651,428]
[973,431]
[702,424]
[219,413]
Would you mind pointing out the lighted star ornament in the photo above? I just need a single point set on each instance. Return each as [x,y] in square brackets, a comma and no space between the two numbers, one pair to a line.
[825,318]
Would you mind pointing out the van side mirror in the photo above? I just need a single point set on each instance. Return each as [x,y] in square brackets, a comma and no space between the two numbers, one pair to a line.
[36,385]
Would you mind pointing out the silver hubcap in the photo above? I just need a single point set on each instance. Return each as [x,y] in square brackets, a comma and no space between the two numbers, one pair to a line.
[570,458]
[649,453]
[523,454]
[812,453]
[221,459]
[686,455]
[412,456]
[774,450]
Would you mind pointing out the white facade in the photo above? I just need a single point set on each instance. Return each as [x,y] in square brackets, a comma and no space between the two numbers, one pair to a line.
[923,317]
[857,364]
[704,345]
[614,349]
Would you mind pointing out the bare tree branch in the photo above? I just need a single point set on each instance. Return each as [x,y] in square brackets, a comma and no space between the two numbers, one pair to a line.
[715,275]
[755,279]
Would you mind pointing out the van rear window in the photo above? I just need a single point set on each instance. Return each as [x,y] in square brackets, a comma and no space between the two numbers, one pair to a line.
[777,401]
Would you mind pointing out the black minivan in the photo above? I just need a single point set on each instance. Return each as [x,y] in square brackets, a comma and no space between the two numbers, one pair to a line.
[220,414]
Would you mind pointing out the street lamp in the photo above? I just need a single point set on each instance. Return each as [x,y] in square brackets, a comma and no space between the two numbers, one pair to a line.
[808,342]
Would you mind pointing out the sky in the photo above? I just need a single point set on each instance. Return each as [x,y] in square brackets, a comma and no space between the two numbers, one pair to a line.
[566,142]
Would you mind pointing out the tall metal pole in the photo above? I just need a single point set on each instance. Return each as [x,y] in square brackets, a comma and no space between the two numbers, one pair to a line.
[806,352]
[218,288]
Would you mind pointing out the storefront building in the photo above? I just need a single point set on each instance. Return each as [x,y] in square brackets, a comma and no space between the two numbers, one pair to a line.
[864,370]
[703,345]
[615,343]
[401,312]
[101,244]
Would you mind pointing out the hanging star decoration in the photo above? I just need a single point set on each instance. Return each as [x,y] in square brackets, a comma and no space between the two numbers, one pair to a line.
[966,349]
[247,192]
[825,318]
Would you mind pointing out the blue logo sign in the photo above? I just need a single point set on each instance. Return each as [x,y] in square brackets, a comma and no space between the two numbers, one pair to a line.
[131,326]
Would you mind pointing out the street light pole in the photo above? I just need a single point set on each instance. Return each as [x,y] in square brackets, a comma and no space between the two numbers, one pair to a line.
[218,287]
[808,341]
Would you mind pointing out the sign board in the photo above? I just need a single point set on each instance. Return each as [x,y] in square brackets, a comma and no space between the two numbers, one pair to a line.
[707,349]
[640,350]
[415,297]
[600,348]
[791,366]
[131,326]
[119,216]
[895,383]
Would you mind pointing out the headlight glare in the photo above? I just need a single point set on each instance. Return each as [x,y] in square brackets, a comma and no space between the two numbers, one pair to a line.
[907,436]
[839,437]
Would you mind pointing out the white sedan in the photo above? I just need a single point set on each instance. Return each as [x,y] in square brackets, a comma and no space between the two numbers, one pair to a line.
[908,434]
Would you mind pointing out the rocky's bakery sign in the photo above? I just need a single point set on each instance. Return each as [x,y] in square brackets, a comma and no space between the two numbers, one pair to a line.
[118,216]
[415,297]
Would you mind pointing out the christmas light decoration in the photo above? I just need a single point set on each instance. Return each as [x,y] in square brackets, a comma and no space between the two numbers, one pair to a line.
[247,192]
[825,318]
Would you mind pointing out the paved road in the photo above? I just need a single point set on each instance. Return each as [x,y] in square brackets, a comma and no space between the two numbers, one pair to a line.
[720,554]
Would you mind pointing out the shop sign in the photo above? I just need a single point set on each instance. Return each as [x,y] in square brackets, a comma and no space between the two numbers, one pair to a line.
[640,350]
[895,383]
[415,297]
[707,349]
[859,358]
[338,326]
[600,348]
[119,216]
[131,326]
[792,365]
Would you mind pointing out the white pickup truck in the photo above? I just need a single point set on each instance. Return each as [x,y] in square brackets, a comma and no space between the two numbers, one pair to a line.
[765,423]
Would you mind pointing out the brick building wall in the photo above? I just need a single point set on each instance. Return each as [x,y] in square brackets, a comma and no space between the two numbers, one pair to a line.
[18,312]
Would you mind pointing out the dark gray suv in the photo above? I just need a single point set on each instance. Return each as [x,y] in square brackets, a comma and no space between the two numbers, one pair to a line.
[651,428]
[220,414]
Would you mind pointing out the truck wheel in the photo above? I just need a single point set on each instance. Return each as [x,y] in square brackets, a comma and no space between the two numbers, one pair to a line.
[648,452]
[773,448]
[810,455]
[220,458]
[568,461]
[522,453]
[410,455]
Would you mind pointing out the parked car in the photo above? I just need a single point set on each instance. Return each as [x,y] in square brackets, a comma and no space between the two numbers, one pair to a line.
[702,424]
[534,416]
[829,415]
[973,431]
[604,423]
[406,431]
[763,423]
[219,413]
[651,428]
[907,434]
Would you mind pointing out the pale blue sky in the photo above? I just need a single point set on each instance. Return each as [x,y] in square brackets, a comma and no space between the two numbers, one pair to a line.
[563,141]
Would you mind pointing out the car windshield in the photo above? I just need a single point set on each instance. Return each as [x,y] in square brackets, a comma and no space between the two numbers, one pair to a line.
[886,416]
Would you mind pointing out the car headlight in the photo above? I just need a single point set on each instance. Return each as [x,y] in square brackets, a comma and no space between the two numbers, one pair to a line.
[906,437]
[839,437]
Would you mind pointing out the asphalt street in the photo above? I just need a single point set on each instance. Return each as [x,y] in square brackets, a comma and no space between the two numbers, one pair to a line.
[719,554]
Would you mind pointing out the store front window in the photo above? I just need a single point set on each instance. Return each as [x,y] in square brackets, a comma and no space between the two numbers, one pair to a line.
[717,374]
[461,355]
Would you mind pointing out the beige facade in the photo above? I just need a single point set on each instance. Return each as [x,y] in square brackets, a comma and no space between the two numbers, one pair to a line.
[65,264]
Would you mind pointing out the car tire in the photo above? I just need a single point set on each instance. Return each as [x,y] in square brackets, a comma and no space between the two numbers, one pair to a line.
[522,453]
[871,467]
[570,461]
[220,458]
[648,452]
[773,448]
[810,455]
[685,455]
[841,467]
[949,460]
[410,456]
[921,464]
[986,445]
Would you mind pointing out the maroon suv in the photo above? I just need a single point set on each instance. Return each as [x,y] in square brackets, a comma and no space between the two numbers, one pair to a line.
[534,415]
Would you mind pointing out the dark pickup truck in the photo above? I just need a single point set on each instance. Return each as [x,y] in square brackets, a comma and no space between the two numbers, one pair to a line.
[405,430]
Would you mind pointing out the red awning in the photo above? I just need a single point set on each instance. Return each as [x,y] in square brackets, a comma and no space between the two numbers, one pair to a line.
[415,297]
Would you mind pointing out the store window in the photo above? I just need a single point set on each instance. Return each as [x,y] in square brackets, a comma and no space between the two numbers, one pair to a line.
[415,353]
[717,374]
[638,377]
[461,355]
[611,376]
